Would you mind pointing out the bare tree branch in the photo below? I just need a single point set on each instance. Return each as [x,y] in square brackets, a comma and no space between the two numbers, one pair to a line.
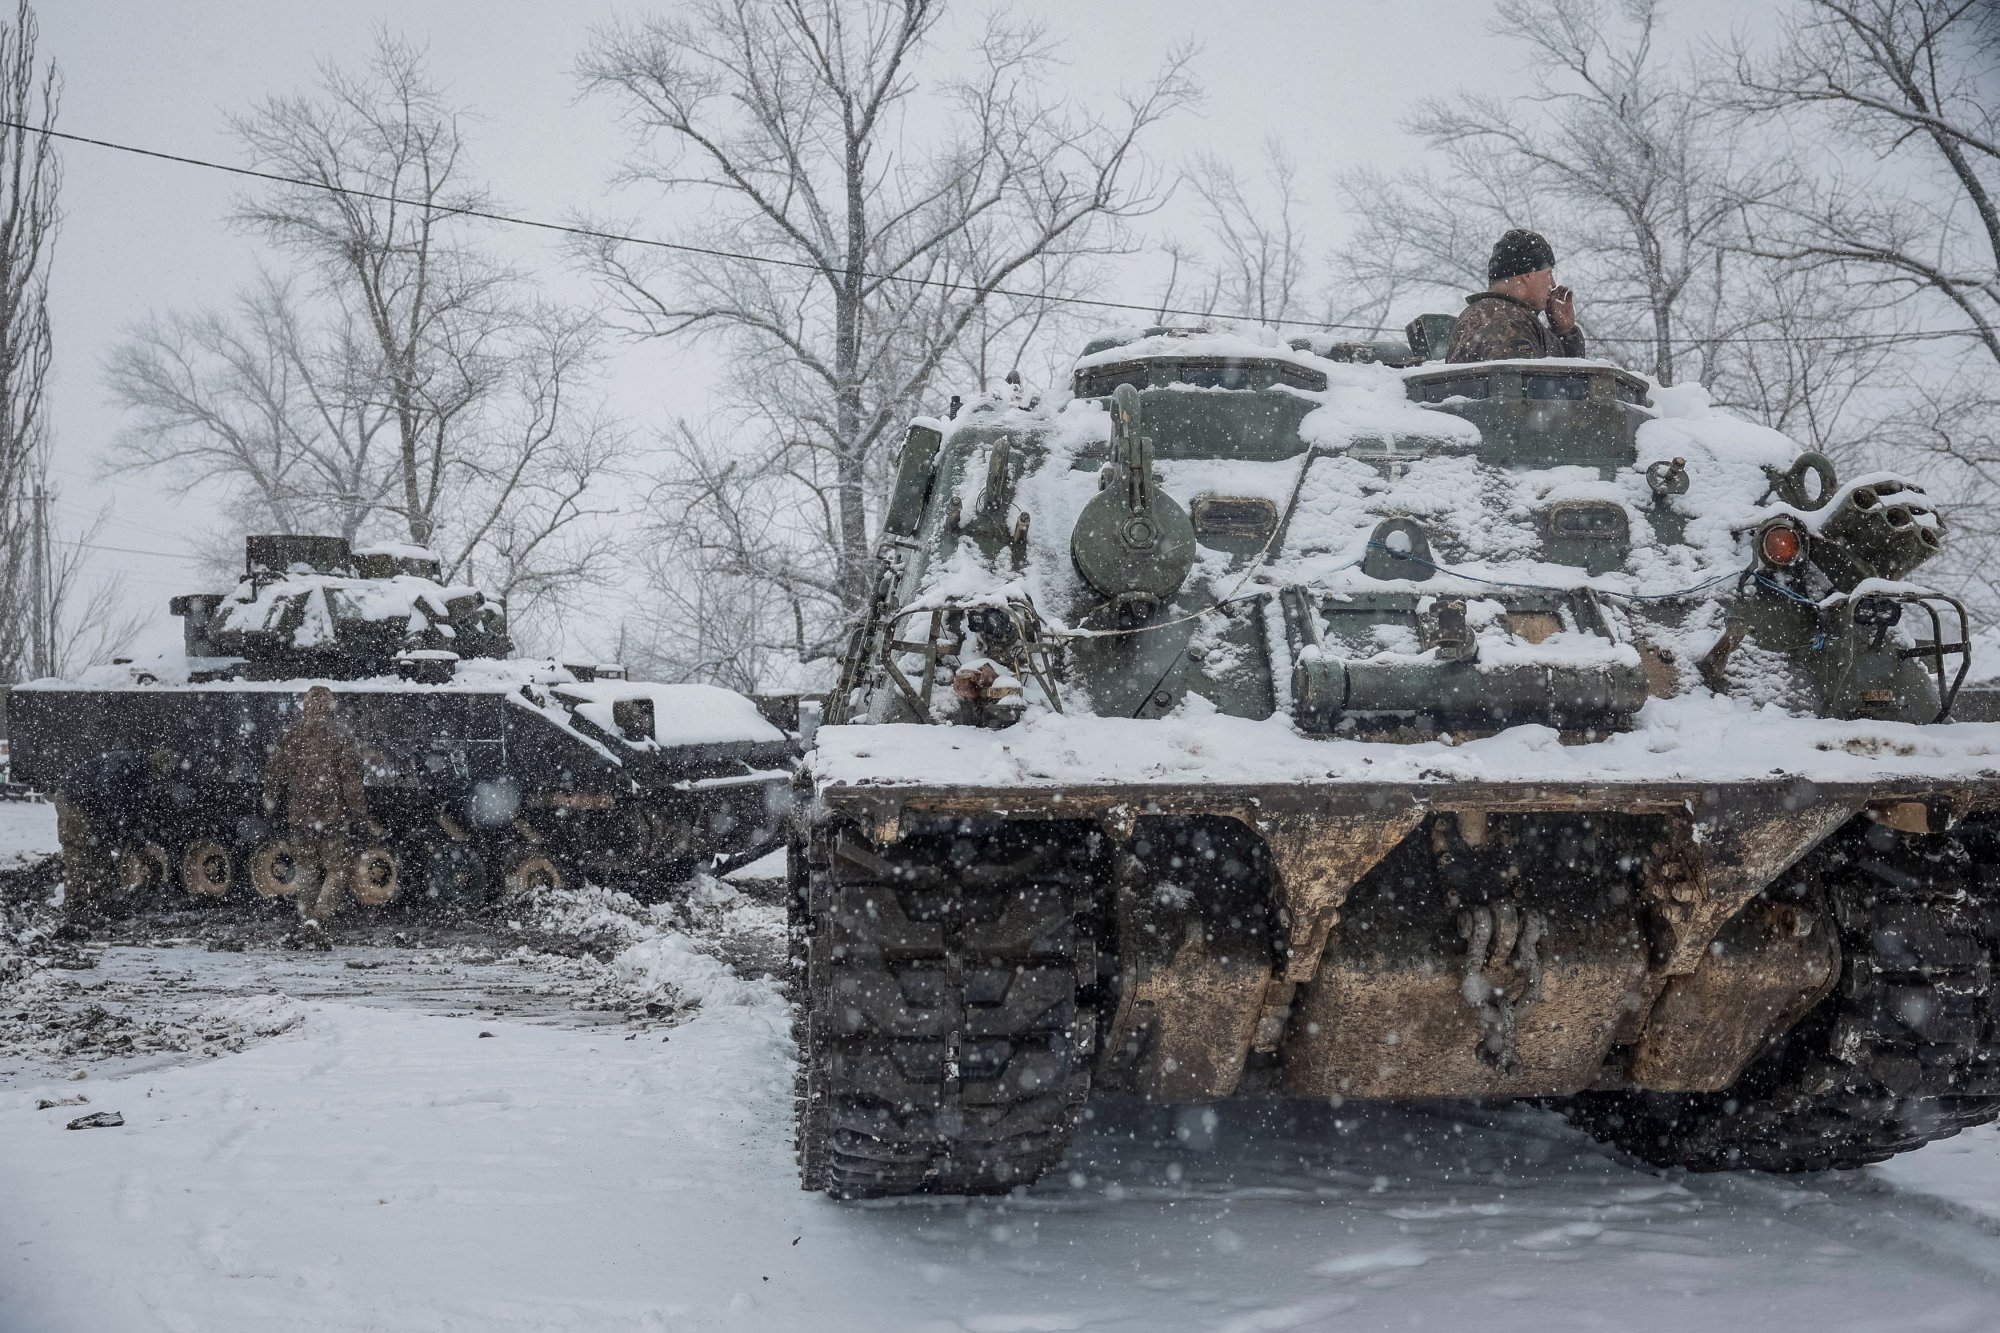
[804,130]
[404,384]
[30,179]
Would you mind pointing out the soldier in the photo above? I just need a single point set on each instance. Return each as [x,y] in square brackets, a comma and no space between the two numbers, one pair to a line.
[1504,322]
[313,785]
[107,805]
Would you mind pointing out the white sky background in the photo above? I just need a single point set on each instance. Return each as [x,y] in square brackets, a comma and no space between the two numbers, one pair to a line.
[1330,78]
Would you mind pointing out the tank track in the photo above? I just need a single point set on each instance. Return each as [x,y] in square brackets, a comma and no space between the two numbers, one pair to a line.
[1904,1050]
[943,1010]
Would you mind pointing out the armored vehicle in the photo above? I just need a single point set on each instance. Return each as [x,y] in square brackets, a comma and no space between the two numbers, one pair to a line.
[484,774]
[1317,720]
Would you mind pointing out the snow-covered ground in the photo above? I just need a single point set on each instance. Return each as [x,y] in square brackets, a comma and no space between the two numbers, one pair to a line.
[27,830]
[452,1137]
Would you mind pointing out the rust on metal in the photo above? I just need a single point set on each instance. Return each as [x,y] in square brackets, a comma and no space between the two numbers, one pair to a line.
[1194,967]
[1764,970]
[1716,859]
[1380,799]
[1398,1023]
[1903,816]
[1532,1000]
[1318,859]
[1183,1029]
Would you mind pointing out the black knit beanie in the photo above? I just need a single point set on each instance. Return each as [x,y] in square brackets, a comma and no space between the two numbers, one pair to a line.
[1519,251]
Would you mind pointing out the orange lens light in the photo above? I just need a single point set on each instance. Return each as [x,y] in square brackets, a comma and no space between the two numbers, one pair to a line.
[1781,544]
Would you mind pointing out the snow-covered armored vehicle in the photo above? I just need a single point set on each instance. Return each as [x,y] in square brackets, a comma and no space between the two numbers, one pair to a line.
[486,774]
[1316,720]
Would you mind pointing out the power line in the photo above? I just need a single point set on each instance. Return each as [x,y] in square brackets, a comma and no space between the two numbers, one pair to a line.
[594,234]
[127,550]
[775,261]
[84,514]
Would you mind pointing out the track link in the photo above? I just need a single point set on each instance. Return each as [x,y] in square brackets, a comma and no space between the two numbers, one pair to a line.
[1904,1050]
[945,1021]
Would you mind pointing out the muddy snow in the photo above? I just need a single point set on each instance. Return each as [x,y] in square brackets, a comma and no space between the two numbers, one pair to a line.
[579,1119]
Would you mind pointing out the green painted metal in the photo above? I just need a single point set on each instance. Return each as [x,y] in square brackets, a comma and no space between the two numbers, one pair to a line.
[1133,542]
[1154,620]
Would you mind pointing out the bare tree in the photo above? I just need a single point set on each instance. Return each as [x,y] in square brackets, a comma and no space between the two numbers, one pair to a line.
[870,216]
[737,592]
[256,396]
[1911,220]
[1637,177]
[30,178]
[1654,191]
[90,619]
[1913,81]
[1256,233]
[1795,351]
[433,309]
[404,383]
[1255,260]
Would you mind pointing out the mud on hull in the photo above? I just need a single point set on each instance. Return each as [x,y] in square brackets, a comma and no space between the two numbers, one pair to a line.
[1655,941]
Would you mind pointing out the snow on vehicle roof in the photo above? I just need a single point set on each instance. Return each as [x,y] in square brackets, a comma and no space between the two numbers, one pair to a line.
[399,551]
[1373,453]
[1246,344]
[178,671]
[255,606]
[688,714]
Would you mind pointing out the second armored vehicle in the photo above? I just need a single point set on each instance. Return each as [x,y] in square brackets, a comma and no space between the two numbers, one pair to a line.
[485,774]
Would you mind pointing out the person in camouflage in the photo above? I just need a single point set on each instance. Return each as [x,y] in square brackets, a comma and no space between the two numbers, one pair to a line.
[110,807]
[313,785]
[1505,322]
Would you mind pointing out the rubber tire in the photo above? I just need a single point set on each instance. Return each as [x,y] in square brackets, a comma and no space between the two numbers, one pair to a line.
[1904,1050]
[453,876]
[275,870]
[375,878]
[526,870]
[208,868]
[140,871]
[946,1031]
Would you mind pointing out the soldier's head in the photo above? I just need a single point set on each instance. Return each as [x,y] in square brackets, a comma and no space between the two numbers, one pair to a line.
[1523,265]
[319,703]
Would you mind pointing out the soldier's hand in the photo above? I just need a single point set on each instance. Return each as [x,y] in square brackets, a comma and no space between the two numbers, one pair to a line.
[1562,310]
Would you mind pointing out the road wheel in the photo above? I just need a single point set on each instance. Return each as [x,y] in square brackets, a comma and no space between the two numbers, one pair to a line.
[453,876]
[375,878]
[1905,1048]
[275,869]
[141,870]
[207,868]
[529,870]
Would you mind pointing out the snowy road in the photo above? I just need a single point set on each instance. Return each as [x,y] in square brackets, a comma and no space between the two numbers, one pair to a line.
[385,1166]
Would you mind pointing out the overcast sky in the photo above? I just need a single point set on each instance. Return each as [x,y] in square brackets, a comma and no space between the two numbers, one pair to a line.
[1331,79]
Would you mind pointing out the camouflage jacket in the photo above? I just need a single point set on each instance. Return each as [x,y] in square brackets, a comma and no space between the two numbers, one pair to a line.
[313,781]
[1497,327]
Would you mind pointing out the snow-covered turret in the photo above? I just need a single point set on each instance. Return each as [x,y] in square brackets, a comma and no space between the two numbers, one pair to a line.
[314,606]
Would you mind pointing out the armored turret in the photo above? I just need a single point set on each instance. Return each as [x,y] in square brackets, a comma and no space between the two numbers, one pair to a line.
[317,607]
